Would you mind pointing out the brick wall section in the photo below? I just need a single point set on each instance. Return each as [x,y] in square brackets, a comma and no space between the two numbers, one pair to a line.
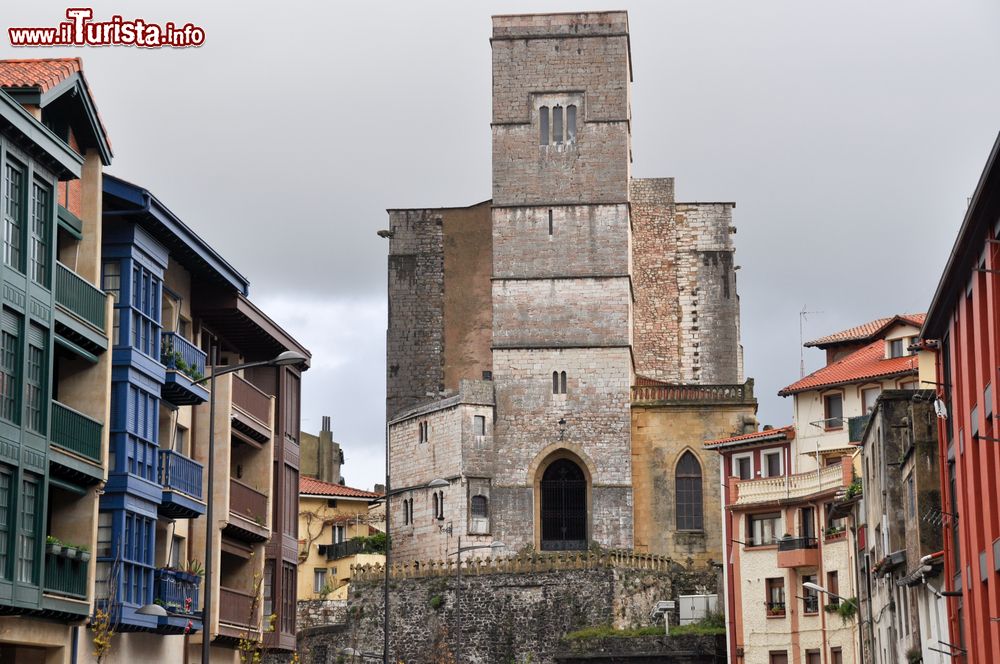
[534,313]
[467,317]
[452,452]
[568,54]
[656,324]
[504,617]
[586,240]
[709,306]
[597,429]
[416,284]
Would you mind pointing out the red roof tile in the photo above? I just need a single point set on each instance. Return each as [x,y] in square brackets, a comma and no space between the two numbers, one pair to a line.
[38,73]
[313,487]
[788,433]
[867,331]
[862,364]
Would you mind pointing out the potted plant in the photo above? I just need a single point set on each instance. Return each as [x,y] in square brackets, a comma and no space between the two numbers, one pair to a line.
[53,545]
[194,570]
[69,550]
[83,554]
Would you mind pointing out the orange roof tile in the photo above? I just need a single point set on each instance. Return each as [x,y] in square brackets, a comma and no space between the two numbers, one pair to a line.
[313,487]
[867,331]
[788,433]
[862,364]
[38,73]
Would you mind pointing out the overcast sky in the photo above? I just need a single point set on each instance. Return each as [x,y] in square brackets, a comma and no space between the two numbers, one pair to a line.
[850,134]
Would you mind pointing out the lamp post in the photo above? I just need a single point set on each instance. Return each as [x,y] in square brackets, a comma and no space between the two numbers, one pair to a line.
[433,484]
[458,593]
[815,587]
[286,358]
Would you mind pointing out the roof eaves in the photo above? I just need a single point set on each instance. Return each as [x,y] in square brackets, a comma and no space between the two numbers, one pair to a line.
[58,151]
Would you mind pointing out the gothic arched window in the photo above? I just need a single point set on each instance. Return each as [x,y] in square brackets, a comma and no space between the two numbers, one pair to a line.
[480,507]
[690,514]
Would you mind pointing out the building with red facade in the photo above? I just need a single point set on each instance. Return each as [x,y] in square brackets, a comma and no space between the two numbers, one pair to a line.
[963,325]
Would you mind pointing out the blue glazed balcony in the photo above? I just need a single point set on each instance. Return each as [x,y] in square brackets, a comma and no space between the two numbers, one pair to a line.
[181,480]
[185,364]
[178,594]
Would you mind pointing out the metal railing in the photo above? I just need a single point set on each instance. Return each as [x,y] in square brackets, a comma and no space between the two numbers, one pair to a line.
[80,296]
[775,608]
[174,592]
[182,355]
[247,502]
[180,473]
[248,398]
[796,543]
[235,606]
[856,427]
[348,548]
[65,576]
[76,432]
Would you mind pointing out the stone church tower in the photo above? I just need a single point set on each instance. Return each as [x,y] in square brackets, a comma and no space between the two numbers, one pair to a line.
[533,337]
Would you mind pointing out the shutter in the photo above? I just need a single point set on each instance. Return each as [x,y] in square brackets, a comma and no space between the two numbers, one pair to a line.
[10,322]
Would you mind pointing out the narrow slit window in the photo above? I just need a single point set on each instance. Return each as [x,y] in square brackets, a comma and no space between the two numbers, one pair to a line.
[571,123]
[557,124]
[562,383]
[543,125]
[550,222]
[555,382]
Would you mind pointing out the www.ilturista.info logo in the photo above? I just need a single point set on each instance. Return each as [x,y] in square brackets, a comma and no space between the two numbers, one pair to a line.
[80,30]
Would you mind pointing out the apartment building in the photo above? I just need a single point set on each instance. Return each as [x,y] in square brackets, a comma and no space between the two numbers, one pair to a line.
[55,325]
[789,499]
[962,331]
[900,562]
[335,532]
[177,301]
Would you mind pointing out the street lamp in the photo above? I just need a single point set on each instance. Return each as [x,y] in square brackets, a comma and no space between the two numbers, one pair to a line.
[283,359]
[433,484]
[815,587]
[495,546]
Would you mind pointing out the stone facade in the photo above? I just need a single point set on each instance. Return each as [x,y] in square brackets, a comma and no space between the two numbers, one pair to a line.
[513,610]
[573,270]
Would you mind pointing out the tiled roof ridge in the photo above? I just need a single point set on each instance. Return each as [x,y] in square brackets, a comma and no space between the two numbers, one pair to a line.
[865,331]
[747,437]
[864,363]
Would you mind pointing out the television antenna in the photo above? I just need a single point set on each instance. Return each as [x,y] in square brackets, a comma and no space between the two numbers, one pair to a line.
[802,354]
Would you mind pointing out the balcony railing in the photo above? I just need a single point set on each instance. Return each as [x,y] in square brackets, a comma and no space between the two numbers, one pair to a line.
[345,549]
[796,543]
[65,576]
[80,296]
[789,487]
[182,355]
[76,432]
[180,473]
[856,427]
[248,503]
[692,393]
[175,593]
[235,607]
[248,398]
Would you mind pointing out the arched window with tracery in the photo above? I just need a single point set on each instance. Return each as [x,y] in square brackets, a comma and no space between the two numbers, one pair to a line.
[689,504]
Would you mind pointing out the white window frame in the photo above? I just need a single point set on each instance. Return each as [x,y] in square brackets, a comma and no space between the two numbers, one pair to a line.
[781,459]
[319,573]
[734,470]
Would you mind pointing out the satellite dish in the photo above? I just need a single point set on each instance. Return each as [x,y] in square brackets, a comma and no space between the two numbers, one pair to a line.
[940,410]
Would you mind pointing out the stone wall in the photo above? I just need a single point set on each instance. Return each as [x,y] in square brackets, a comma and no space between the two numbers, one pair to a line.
[315,612]
[514,610]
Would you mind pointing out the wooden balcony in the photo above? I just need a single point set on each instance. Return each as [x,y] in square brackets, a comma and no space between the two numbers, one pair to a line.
[185,365]
[236,608]
[75,450]
[81,298]
[248,512]
[251,412]
[181,481]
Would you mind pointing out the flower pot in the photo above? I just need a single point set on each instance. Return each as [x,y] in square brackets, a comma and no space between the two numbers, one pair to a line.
[83,556]
[54,549]
[69,551]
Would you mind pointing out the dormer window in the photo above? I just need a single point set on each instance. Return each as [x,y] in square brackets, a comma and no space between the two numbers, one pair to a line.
[896,348]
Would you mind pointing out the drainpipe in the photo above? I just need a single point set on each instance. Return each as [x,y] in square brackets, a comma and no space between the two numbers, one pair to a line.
[75,645]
